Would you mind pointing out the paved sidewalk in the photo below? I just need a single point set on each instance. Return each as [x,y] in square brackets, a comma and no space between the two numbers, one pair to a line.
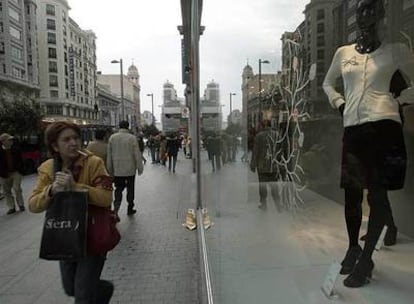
[269,257]
[157,260]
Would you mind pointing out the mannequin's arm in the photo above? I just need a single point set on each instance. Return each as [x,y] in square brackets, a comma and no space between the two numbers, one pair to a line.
[406,65]
[335,99]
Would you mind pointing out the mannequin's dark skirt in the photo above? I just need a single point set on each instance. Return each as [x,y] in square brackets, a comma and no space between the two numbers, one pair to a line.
[373,156]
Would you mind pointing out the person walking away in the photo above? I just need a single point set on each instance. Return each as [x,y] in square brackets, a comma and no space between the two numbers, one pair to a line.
[163,150]
[141,146]
[99,146]
[81,171]
[267,169]
[215,150]
[173,145]
[123,161]
[11,173]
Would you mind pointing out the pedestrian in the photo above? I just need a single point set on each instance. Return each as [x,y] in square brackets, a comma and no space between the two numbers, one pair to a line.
[173,145]
[163,150]
[141,146]
[374,155]
[11,173]
[99,146]
[123,161]
[215,151]
[266,166]
[81,170]
[184,145]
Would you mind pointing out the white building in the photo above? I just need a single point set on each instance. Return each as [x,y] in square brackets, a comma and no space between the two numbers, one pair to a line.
[132,90]
[18,50]
[211,109]
[67,61]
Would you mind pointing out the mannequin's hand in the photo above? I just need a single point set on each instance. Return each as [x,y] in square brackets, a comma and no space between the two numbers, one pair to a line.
[341,109]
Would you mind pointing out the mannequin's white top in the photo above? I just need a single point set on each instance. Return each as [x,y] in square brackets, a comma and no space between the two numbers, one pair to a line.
[366,79]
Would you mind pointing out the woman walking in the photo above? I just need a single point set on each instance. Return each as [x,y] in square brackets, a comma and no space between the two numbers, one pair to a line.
[81,171]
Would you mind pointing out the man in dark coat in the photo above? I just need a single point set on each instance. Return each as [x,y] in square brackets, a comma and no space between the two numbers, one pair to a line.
[267,169]
[173,145]
[11,172]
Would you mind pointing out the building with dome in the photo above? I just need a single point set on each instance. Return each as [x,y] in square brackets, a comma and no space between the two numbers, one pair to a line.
[132,91]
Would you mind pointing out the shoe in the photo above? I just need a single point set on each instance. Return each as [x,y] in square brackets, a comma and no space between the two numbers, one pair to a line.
[22,208]
[361,274]
[262,206]
[363,238]
[1,196]
[11,211]
[352,255]
[131,211]
[390,238]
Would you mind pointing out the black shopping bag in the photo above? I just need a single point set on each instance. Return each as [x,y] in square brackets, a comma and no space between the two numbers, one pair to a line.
[64,232]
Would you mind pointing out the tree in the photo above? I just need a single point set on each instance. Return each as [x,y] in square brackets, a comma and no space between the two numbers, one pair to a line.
[20,118]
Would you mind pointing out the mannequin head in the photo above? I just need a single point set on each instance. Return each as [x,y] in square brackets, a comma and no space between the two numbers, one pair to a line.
[369,13]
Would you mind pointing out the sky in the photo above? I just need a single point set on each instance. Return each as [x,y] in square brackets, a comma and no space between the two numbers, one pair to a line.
[145,33]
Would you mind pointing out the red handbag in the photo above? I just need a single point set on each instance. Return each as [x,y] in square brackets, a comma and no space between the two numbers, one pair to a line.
[103,235]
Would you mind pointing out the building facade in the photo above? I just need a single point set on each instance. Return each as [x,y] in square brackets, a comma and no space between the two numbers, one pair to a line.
[211,108]
[67,61]
[19,66]
[174,113]
[319,47]
[131,99]
[108,106]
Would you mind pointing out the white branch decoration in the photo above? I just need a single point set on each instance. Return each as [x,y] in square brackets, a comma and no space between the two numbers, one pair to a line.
[285,143]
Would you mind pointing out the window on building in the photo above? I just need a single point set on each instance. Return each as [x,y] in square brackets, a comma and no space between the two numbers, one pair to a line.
[52,53]
[17,53]
[64,30]
[28,9]
[15,33]
[320,14]
[17,72]
[54,109]
[51,38]
[2,48]
[14,14]
[66,70]
[320,41]
[1,27]
[51,24]
[53,81]
[1,6]
[50,10]
[320,28]
[351,20]
[352,36]
[320,54]
[407,4]
[53,67]
[54,94]
[65,56]
[351,3]
[66,84]
[64,16]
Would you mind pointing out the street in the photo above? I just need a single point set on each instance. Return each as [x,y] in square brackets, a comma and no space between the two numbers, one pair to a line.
[155,262]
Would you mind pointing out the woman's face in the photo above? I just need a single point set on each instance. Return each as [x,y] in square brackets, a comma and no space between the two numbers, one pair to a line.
[68,144]
[368,13]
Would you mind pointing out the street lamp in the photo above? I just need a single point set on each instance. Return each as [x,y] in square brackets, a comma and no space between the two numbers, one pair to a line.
[231,105]
[152,106]
[122,87]
[260,84]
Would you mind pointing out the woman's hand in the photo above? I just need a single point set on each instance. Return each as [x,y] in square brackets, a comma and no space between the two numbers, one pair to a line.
[63,182]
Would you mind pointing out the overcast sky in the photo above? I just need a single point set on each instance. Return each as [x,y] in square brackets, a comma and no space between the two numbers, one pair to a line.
[145,32]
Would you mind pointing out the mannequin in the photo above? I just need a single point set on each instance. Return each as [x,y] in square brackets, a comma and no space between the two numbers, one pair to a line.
[373,155]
